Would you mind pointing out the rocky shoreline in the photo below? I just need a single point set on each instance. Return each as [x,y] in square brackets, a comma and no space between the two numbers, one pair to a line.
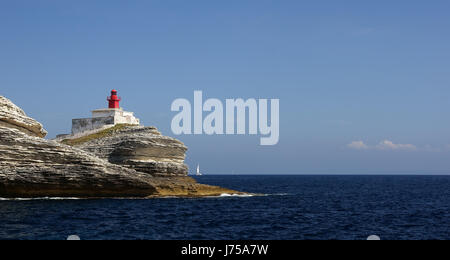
[131,161]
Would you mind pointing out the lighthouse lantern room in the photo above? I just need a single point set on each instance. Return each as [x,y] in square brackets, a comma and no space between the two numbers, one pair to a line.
[114,99]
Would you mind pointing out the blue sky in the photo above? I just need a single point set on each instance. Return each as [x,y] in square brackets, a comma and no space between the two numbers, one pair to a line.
[346,72]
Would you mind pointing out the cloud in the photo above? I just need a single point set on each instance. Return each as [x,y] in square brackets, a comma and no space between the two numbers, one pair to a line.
[389,145]
[384,145]
[358,145]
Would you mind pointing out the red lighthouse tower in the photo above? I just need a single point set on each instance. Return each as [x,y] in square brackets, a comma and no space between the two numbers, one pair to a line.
[114,99]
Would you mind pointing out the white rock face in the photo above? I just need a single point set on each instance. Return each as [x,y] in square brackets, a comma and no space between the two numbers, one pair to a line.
[35,167]
[31,166]
[14,117]
[143,149]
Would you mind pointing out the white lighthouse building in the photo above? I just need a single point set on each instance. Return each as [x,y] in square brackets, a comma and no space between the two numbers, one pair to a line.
[104,118]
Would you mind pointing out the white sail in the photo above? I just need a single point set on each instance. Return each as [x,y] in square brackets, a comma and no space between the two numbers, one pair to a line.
[198,170]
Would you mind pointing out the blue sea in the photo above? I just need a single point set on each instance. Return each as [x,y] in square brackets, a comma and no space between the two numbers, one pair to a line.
[293,207]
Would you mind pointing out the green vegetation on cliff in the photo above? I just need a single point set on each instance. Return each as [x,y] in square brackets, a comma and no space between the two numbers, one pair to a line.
[102,134]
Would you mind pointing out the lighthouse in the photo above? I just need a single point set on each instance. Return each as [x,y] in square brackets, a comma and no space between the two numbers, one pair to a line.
[105,117]
[114,99]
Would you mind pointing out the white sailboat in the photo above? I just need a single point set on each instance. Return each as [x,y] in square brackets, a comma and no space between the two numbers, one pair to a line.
[198,170]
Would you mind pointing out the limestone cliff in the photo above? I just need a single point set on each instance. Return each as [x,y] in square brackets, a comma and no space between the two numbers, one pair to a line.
[143,149]
[13,117]
[31,166]
[34,167]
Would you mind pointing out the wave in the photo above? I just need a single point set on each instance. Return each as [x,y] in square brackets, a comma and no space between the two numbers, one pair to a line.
[279,194]
[225,195]
[236,195]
